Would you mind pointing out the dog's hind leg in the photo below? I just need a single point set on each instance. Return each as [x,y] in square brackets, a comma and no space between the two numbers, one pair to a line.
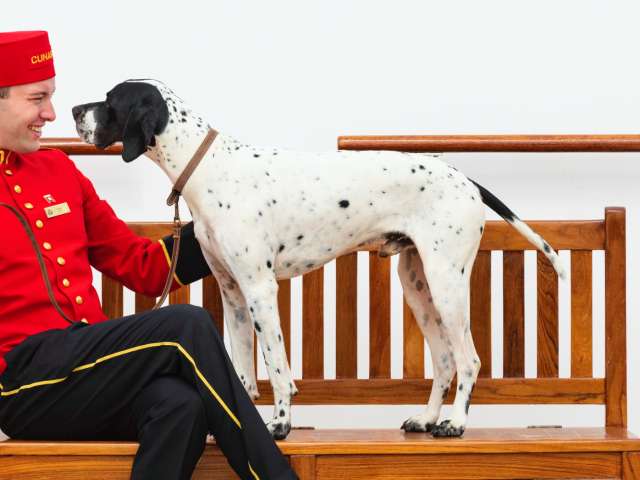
[448,278]
[418,296]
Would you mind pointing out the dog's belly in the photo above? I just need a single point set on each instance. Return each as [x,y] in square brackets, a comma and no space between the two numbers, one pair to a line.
[303,260]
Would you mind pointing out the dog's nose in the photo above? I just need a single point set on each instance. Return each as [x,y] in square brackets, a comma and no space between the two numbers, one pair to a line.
[76,111]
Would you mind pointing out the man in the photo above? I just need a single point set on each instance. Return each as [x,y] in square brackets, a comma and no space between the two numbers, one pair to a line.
[161,377]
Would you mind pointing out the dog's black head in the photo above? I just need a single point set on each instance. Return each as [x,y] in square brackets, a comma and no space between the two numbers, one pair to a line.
[133,113]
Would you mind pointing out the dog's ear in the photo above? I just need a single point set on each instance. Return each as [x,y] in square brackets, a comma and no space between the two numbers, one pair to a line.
[139,130]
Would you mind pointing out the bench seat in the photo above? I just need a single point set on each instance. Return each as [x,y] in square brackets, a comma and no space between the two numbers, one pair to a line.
[502,453]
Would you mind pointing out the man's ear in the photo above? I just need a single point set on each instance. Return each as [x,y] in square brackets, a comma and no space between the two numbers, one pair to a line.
[139,131]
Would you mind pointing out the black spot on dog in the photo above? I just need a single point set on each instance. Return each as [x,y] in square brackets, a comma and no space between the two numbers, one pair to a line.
[256,155]
[268,263]
[279,337]
[281,248]
[421,167]
[257,325]
[300,237]
[251,309]
[343,203]
[547,248]
[282,413]
[462,271]
[422,189]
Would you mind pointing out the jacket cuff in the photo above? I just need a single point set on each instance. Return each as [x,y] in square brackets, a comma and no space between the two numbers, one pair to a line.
[191,263]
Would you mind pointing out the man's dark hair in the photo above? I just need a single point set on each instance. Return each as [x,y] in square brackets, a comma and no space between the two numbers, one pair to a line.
[4,92]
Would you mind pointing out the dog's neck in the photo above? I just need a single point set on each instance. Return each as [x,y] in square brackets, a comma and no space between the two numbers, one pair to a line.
[180,139]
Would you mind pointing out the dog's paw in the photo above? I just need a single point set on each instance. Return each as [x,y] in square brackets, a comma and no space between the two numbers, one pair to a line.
[417,424]
[447,429]
[279,430]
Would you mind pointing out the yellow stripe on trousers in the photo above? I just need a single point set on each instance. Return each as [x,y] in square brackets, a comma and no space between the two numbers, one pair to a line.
[125,352]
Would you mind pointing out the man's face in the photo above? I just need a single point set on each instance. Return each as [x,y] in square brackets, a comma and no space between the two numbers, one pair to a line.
[23,114]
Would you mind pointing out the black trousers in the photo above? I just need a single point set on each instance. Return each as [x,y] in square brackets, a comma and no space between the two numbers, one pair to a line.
[161,377]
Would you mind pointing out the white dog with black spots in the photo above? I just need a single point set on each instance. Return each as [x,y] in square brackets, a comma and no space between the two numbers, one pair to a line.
[264,214]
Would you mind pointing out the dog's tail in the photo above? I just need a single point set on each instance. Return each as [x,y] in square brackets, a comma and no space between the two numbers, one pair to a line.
[501,209]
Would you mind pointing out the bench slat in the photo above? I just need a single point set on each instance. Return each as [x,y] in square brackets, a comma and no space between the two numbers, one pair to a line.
[112,297]
[212,301]
[144,303]
[547,318]
[481,310]
[313,324]
[347,316]
[513,314]
[284,309]
[180,296]
[379,316]
[413,345]
[581,314]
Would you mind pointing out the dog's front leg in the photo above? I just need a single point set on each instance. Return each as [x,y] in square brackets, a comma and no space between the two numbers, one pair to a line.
[262,301]
[236,317]
[240,330]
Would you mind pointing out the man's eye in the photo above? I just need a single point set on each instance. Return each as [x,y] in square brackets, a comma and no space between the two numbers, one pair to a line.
[37,99]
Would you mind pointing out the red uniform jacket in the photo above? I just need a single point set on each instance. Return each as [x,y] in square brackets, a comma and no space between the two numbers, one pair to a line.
[75,230]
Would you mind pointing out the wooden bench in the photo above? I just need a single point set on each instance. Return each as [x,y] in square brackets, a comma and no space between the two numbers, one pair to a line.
[602,451]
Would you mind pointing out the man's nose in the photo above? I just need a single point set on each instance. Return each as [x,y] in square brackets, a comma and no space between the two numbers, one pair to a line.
[49,113]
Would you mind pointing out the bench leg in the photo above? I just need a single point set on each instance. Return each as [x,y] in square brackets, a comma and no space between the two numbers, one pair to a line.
[630,465]
[304,466]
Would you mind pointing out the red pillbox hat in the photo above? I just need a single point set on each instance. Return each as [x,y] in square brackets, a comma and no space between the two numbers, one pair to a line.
[25,57]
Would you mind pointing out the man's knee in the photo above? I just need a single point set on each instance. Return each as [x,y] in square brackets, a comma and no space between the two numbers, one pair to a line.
[184,318]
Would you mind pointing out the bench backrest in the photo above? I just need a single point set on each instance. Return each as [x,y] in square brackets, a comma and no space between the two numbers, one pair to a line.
[580,238]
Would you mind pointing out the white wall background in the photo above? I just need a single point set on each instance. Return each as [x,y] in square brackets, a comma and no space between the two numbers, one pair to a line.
[298,74]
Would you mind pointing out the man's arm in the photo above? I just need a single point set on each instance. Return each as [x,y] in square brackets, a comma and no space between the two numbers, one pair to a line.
[140,264]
